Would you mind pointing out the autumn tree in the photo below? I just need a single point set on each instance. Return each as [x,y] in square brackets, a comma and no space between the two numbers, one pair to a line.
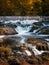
[45,7]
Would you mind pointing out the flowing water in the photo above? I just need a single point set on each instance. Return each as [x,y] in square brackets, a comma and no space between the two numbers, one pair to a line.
[23,28]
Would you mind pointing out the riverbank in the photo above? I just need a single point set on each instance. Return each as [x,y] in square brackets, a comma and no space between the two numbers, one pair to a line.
[14,53]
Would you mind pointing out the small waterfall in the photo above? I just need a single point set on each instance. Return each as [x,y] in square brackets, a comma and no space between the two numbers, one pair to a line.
[21,29]
[24,26]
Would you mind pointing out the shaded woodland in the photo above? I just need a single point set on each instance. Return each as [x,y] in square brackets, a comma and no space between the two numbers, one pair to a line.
[24,7]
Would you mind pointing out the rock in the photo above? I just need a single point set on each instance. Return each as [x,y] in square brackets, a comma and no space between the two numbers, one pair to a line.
[45,56]
[2,40]
[33,28]
[7,31]
[39,24]
[36,41]
[14,58]
[36,26]
[3,63]
[7,42]
[41,45]
[44,30]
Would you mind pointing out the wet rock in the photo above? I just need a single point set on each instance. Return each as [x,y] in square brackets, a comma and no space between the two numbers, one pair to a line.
[45,56]
[41,45]
[7,31]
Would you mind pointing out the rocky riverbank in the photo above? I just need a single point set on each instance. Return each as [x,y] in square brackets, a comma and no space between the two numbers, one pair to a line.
[12,53]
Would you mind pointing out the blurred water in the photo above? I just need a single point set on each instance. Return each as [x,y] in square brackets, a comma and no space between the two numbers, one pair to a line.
[23,27]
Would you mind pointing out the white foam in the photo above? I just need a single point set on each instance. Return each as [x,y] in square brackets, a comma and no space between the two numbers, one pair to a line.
[22,30]
[2,36]
[36,52]
[24,22]
[28,52]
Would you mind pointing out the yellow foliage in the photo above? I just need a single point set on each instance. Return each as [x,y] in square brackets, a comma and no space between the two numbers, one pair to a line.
[4,49]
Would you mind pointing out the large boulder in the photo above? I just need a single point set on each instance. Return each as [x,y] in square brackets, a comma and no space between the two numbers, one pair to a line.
[7,31]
